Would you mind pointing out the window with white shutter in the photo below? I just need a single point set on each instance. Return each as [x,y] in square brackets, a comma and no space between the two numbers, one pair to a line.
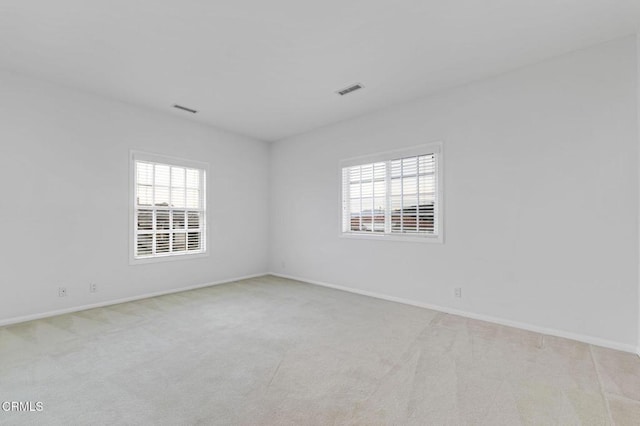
[169,207]
[394,194]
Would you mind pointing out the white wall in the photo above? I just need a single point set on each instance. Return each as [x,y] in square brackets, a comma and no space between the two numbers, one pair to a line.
[541,198]
[64,161]
[638,111]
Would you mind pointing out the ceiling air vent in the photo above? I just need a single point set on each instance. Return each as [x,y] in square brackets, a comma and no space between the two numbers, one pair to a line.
[350,89]
[192,111]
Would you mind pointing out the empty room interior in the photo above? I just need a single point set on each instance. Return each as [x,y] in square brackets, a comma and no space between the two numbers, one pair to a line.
[320,212]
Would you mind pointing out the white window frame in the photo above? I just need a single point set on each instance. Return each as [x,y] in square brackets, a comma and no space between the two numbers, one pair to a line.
[173,161]
[431,148]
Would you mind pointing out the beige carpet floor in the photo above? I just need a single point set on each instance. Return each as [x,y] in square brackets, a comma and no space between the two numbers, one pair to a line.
[279,352]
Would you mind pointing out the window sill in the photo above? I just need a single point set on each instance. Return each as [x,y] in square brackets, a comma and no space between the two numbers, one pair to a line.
[429,239]
[170,258]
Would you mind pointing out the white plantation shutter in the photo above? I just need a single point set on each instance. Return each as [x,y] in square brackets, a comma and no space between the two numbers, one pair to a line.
[169,208]
[397,196]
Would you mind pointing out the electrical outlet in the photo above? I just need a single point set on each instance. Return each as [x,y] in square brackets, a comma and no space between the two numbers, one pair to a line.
[283,264]
[62,291]
[93,287]
[458,292]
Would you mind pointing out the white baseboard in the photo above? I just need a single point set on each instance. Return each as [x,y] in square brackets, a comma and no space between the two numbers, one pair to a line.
[32,317]
[530,327]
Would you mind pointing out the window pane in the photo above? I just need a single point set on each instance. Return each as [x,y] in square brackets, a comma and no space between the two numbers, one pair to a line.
[178,220]
[365,212]
[145,244]
[193,198]
[177,177]
[396,168]
[144,173]
[367,223]
[144,195]
[354,174]
[378,215]
[367,206]
[409,166]
[379,171]
[161,196]
[193,179]
[426,217]
[145,219]
[427,183]
[354,205]
[396,186]
[179,242]
[427,163]
[162,243]
[178,197]
[355,215]
[427,198]
[367,172]
[367,189]
[404,215]
[193,241]
[354,190]
[396,210]
[193,220]
[409,185]
[162,175]
[380,188]
[409,201]
[409,220]
[355,222]
[162,219]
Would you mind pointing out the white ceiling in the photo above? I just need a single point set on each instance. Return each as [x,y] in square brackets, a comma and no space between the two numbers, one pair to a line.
[269,69]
